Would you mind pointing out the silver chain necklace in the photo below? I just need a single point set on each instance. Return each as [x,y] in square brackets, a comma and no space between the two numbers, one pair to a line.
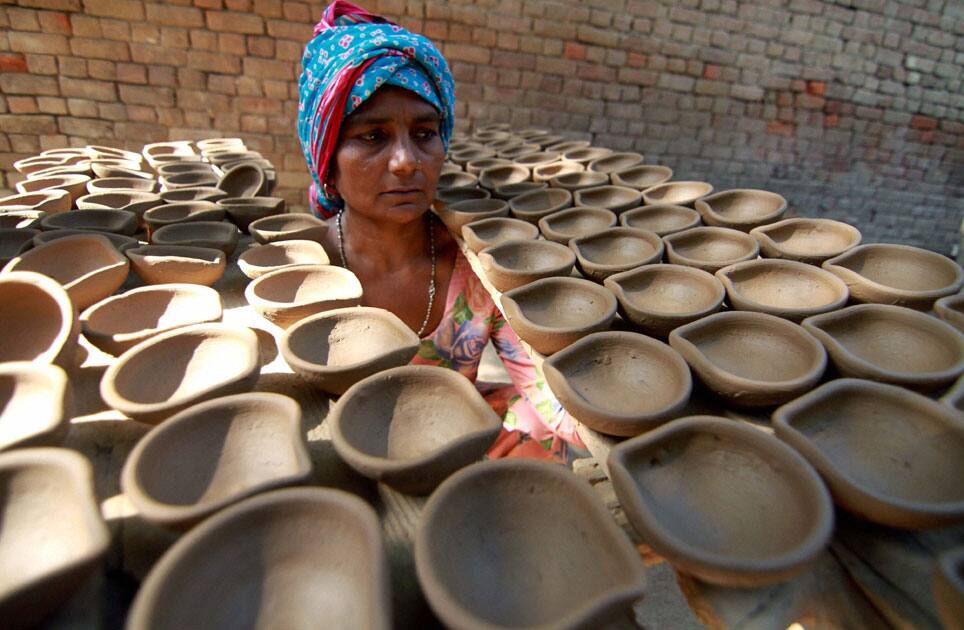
[431,249]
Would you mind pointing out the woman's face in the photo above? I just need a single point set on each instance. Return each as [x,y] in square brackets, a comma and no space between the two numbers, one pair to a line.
[389,156]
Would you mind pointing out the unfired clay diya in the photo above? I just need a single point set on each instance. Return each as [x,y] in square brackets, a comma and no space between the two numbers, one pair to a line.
[53,534]
[75,185]
[564,146]
[512,264]
[261,259]
[445,196]
[266,561]
[34,404]
[129,200]
[120,184]
[619,383]
[897,274]
[948,586]
[578,180]
[214,454]
[470,585]
[615,198]
[741,208]
[17,219]
[455,215]
[14,241]
[889,455]
[891,344]
[681,193]
[176,369]
[751,359]
[570,223]
[246,180]
[477,166]
[117,323]
[951,310]
[511,191]
[546,172]
[585,155]
[194,193]
[658,298]
[663,220]
[515,151]
[615,162]
[335,349]
[412,426]
[182,212]
[51,201]
[487,232]
[606,252]
[538,158]
[460,179]
[784,288]
[214,234]
[243,211]
[87,266]
[38,319]
[182,180]
[117,221]
[534,205]
[162,264]
[723,501]
[710,248]
[806,240]
[493,177]
[552,313]
[642,176]
[290,294]
[119,241]
[284,227]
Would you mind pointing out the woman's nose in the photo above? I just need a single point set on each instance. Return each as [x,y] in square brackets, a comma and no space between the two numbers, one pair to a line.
[403,161]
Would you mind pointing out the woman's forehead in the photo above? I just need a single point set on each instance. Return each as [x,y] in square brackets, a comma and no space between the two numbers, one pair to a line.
[391,103]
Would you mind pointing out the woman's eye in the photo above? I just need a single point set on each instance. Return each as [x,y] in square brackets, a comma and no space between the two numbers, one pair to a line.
[426,134]
[371,137]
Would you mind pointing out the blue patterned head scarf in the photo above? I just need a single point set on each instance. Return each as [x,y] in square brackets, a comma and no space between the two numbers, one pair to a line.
[353,54]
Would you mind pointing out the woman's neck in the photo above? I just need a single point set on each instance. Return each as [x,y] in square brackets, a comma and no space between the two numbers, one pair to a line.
[379,246]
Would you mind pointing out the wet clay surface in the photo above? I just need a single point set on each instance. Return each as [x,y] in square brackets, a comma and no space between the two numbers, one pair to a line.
[806,240]
[260,259]
[615,198]
[455,215]
[292,293]
[642,176]
[784,288]
[487,232]
[38,319]
[513,264]
[284,227]
[162,264]
[603,253]
[218,235]
[534,205]
[34,403]
[681,193]
[567,224]
[742,208]
[710,248]
[663,219]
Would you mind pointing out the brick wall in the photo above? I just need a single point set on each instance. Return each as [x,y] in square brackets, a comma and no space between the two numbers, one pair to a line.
[850,109]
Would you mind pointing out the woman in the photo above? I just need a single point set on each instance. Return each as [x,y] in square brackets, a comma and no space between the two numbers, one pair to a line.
[375,117]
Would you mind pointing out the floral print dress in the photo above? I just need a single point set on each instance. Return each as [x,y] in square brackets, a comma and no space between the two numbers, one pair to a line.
[534,423]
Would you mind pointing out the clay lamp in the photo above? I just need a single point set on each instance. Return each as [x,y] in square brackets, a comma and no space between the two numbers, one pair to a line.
[518,150]
[469,586]
[49,201]
[77,169]
[784,288]
[539,158]
[610,251]
[53,533]
[955,396]
[641,176]
[222,157]
[659,298]
[258,260]
[578,180]
[175,168]
[34,404]
[219,143]
[683,193]
[475,167]
[751,359]
[242,211]
[897,274]
[216,234]
[183,180]
[445,196]
[511,191]
[488,232]
[908,475]
[193,193]
[532,206]
[165,264]
[130,201]
[570,223]
[182,212]
[130,170]
[503,143]
[615,198]
[67,152]
[31,165]
[97,151]
[269,545]
[564,146]
[546,139]
[663,220]
[723,501]
[470,154]
[95,220]
[171,371]
[741,209]
[619,383]
[462,145]
[19,219]
[531,132]
[457,180]
[88,266]
[290,294]
[615,162]
[948,586]
[492,178]
[452,167]
[545,172]
[120,184]
[891,344]
[806,240]
[710,248]
[951,310]
[38,320]
[75,185]
[553,313]
[285,227]
[586,155]
[512,264]
[14,241]
[335,349]
[410,427]
[119,241]
[455,215]
[213,455]
[117,323]
[270,173]
[247,180]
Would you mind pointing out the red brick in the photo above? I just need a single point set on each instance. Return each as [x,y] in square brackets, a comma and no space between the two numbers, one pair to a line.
[23,20]
[238,5]
[925,123]
[232,43]
[85,26]
[268,8]
[146,53]
[54,22]
[141,113]
[784,99]
[146,95]
[289,51]
[42,64]
[128,9]
[99,49]
[636,60]
[798,86]
[22,105]
[269,69]
[209,4]
[222,84]
[254,124]
[574,51]
[112,111]
[185,17]
[72,67]
[42,43]
[12,62]
[711,72]
[203,40]
[57,5]
[214,62]
[102,69]
[162,75]
[89,89]
[779,128]
[817,88]
[174,37]
[809,101]
[298,12]
[253,105]
[52,105]
[131,73]
[38,124]
[116,30]
[290,30]
[232,22]
[831,120]
[19,83]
